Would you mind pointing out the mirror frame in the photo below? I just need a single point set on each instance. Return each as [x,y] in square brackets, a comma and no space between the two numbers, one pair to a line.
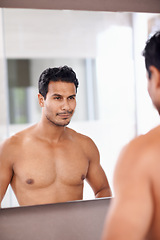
[87,5]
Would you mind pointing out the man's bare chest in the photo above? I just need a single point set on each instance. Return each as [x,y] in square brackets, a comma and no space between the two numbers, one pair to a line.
[42,167]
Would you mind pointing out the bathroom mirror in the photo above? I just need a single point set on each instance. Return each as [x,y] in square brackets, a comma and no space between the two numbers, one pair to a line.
[103,47]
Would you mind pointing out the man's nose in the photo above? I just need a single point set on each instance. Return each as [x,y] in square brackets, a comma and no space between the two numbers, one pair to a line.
[65,104]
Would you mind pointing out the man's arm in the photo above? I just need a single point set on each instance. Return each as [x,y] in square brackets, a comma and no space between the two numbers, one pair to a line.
[96,176]
[5,170]
[132,208]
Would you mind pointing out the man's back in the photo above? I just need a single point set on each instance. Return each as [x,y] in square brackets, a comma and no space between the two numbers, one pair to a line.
[153,156]
[136,204]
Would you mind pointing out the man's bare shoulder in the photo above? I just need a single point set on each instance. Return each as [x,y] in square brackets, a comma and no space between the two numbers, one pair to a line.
[86,143]
[145,144]
[7,149]
[14,141]
[84,139]
[141,153]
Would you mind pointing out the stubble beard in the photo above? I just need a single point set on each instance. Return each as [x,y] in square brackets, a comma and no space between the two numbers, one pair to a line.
[58,124]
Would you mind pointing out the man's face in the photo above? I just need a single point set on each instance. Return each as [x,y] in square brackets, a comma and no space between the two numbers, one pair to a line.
[60,102]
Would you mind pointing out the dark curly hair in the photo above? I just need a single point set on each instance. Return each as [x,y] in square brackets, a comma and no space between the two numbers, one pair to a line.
[64,74]
[152,52]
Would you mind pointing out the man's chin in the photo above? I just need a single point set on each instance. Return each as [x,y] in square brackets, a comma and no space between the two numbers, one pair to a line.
[63,124]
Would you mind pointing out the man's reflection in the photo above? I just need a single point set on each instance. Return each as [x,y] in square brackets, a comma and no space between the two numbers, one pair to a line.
[48,162]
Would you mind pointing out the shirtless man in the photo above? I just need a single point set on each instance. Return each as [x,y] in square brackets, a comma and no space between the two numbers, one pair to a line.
[135,210]
[48,162]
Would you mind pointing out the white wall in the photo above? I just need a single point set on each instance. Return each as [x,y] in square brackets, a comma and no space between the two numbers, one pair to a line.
[147,115]
[51,33]
[3,91]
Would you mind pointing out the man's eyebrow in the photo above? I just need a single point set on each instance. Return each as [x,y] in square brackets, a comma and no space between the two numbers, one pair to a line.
[56,94]
[74,95]
[59,95]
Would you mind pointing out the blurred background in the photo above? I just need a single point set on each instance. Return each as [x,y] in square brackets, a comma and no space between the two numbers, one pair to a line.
[105,51]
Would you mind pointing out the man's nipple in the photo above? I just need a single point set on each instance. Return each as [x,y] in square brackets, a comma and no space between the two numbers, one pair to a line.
[30,181]
[83,177]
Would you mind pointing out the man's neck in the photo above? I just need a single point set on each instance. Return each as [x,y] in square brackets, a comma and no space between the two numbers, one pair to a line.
[50,132]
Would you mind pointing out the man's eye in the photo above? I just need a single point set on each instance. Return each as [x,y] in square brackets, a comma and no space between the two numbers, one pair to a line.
[72,97]
[57,98]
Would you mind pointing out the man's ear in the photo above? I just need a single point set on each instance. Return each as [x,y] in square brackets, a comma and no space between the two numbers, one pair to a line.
[155,75]
[41,100]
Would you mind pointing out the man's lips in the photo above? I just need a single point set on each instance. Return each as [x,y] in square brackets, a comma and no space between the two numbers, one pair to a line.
[64,114]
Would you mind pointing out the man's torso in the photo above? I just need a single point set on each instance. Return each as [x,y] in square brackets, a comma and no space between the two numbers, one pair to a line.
[45,172]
